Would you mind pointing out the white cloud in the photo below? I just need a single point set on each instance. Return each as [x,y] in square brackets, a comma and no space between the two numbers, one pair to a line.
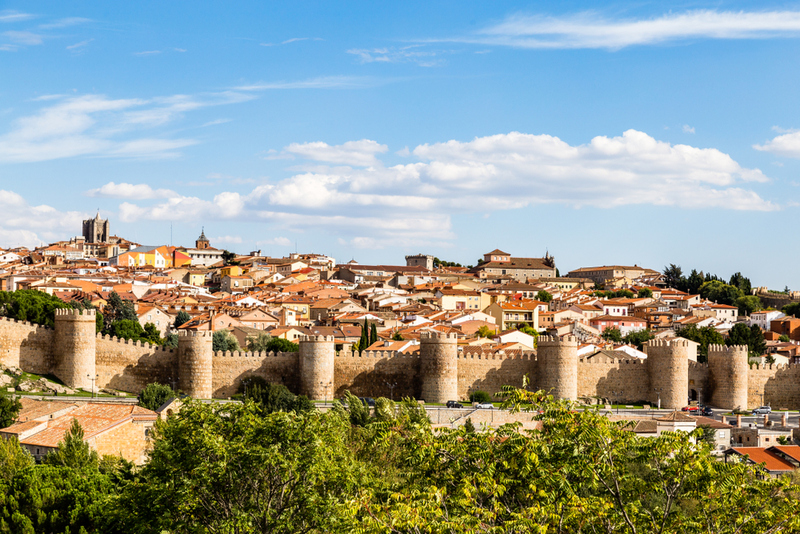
[322,82]
[215,122]
[411,53]
[590,30]
[688,129]
[92,125]
[25,225]
[23,37]
[787,145]
[361,153]
[14,16]
[77,46]
[293,40]
[130,191]
[411,204]
[64,23]
[147,53]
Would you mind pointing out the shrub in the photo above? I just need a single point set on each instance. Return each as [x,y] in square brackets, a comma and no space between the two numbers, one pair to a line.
[480,396]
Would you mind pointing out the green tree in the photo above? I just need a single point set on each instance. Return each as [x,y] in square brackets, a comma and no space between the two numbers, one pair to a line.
[57,499]
[694,282]
[752,337]
[154,395]
[748,304]
[645,293]
[9,409]
[274,397]
[118,309]
[127,329]
[485,331]
[673,276]
[13,459]
[612,334]
[480,396]
[182,318]
[373,334]
[792,309]
[223,340]
[278,344]
[720,292]
[363,342]
[171,341]
[742,282]
[229,469]
[784,338]
[704,336]
[544,296]
[73,451]
[228,258]
[397,336]
[639,338]
[151,334]
[259,343]
[30,305]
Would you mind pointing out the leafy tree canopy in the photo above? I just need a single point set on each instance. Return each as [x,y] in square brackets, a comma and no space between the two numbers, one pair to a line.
[223,340]
[705,336]
[30,305]
[154,395]
[792,309]
[612,334]
[181,318]
[645,293]
[9,409]
[73,451]
[544,296]
[752,336]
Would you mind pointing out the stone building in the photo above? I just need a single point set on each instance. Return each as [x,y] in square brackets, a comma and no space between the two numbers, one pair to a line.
[96,230]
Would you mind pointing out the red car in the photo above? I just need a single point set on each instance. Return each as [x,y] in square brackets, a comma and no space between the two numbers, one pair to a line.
[692,409]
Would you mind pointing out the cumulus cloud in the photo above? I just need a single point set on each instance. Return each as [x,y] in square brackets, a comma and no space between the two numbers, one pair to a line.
[229,239]
[787,145]
[360,153]
[94,125]
[412,204]
[279,241]
[688,129]
[591,30]
[130,191]
[26,225]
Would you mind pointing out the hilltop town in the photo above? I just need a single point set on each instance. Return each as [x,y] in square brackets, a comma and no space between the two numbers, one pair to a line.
[500,304]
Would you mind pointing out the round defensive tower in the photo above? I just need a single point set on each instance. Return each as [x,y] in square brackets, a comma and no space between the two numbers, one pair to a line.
[194,363]
[316,367]
[75,347]
[729,368]
[439,366]
[668,368]
[557,362]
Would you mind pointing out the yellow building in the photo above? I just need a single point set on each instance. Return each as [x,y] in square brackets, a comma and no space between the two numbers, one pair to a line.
[158,257]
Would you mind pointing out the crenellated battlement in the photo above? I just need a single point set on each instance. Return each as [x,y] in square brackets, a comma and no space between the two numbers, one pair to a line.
[612,361]
[555,340]
[437,336]
[316,339]
[254,355]
[195,333]
[24,323]
[496,355]
[376,354]
[725,349]
[62,313]
[668,343]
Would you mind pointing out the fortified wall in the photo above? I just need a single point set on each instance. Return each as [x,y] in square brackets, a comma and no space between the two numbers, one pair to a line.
[440,371]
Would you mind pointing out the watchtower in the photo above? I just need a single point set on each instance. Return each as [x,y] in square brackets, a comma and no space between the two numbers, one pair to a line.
[439,366]
[668,368]
[316,367]
[75,344]
[194,363]
[557,362]
[729,368]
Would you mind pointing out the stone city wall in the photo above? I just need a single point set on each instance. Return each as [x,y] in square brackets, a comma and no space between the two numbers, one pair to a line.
[26,345]
[774,385]
[370,374]
[231,368]
[131,365]
[620,381]
[490,371]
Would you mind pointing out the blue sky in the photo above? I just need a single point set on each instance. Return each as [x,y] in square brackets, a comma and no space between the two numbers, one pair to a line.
[646,133]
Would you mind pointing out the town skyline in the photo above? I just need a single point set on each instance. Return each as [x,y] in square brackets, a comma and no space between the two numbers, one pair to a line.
[627,135]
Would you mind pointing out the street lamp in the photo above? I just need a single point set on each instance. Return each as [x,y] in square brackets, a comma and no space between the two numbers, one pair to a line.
[325,385]
[93,379]
[658,390]
[391,386]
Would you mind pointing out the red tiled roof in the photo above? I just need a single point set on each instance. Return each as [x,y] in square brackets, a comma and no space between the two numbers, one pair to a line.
[760,455]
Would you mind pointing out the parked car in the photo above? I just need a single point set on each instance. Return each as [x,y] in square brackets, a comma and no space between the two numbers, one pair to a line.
[485,406]
[761,410]
[708,412]
[368,401]
[454,404]
[691,409]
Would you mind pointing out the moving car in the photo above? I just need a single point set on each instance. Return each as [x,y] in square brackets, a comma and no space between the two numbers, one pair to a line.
[761,410]
[708,412]
[485,406]
[694,410]
[454,404]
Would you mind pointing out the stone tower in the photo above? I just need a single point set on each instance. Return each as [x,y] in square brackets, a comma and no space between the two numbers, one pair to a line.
[96,230]
[74,349]
[729,368]
[557,362]
[194,363]
[668,368]
[316,367]
[202,242]
[439,366]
